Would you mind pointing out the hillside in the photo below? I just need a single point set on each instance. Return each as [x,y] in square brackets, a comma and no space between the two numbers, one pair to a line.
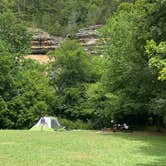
[61,17]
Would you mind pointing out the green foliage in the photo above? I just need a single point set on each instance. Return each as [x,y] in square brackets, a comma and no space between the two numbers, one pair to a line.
[14,34]
[5,5]
[78,124]
[94,13]
[24,92]
[127,84]
[7,63]
[157,58]
[70,73]
[69,15]
[123,77]
[99,104]
[6,84]
[32,95]
[128,76]
[157,64]
[72,66]
[55,29]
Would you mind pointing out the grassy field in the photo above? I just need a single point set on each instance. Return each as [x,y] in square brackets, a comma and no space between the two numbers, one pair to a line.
[80,148]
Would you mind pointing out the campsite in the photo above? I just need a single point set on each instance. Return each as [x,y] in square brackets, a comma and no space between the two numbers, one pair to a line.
[49,143]
[81,148]
[82,82]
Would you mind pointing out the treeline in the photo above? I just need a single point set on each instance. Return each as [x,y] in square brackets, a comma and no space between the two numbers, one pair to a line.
[135,76]
[61,17]
[127,83]
[24,90]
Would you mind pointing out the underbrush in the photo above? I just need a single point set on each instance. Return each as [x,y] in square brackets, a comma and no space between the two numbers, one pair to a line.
[77,124]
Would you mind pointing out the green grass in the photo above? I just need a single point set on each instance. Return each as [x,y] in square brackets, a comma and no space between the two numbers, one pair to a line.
[80,148]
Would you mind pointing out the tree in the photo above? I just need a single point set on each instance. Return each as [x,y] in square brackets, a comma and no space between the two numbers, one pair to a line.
[157,60]
[93,15]
[72,66]
[6,84]
[127,69]
[25,94]
[14,34]
[55,29]
[7,63]
[24,90]
[71,72]
[70,15]
[32,95]
[129,77]
[157,64]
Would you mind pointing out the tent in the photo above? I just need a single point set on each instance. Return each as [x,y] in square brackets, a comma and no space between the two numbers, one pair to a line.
[51,124]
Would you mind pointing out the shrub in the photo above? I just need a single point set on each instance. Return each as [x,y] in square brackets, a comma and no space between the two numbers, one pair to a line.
[78,124]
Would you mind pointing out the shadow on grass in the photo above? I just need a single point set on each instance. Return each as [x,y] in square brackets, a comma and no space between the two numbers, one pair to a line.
[154,146]
[160,162]
[157,163]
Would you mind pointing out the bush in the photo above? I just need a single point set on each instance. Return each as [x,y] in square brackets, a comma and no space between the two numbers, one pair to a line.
[55,29]
[78,124]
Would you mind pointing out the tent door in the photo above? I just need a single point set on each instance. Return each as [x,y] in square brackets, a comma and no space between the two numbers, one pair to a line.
[53,123]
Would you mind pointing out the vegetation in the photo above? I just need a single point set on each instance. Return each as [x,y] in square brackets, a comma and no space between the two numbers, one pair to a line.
[61,17]
[135,74]
[24,91]
[70,75]
[79,148]
[13,34]
[127,83]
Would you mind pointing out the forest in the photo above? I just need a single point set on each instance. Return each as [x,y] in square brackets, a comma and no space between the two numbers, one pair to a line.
[127,83]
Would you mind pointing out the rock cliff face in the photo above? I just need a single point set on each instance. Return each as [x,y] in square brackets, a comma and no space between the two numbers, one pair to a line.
[89,38]
[42,42]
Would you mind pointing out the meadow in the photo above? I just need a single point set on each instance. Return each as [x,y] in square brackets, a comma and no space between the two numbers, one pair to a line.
[80,148]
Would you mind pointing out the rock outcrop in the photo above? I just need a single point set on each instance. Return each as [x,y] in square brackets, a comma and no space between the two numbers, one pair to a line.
[42,42]
[89,38]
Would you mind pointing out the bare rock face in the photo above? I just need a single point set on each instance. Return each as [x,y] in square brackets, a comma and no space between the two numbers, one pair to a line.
[88,32]
[89,38]
[42,42]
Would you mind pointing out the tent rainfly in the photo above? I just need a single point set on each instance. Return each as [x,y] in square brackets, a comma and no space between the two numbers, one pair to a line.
[51,123]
